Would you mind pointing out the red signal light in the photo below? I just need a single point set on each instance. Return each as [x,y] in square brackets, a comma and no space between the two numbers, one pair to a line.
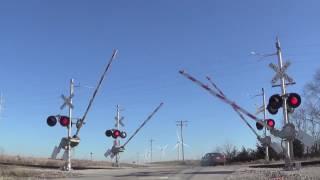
[271,123]
[294,100]
[116,133]
[64,121]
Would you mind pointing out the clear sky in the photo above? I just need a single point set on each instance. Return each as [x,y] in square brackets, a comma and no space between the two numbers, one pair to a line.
[45,43]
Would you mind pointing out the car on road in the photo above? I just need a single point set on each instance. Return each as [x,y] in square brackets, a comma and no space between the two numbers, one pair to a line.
[213,159]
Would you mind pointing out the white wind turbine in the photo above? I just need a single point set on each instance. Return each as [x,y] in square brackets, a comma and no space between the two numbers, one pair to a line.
[178,145]
[147,155]
[163,151]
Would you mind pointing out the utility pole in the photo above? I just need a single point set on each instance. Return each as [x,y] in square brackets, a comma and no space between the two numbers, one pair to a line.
[151,141]
[91,156]
[181,124]
[289,145]
[264,118]
[68,165]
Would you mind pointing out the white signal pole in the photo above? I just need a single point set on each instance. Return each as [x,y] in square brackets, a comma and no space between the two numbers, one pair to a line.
[68,165]
[289,145]
[116,141]
[264,118]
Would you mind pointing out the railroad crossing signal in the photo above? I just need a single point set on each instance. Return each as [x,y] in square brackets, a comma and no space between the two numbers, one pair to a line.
[281,72]
[276,101]
[63,120]
[67,101]
[270,122]
[115,133]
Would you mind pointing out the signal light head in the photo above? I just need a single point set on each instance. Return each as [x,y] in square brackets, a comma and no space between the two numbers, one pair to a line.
[275,101]
[51,121]
[123,134]
[271,110]
[259,126]
[109,133]
[294,100]
[271,123]
[64,121]
[116,133]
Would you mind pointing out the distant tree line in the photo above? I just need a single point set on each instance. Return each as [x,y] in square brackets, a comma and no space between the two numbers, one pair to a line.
[233,154]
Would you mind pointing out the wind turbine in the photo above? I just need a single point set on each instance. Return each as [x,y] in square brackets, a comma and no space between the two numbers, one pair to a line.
[163,151]
[178,145]
[146,155]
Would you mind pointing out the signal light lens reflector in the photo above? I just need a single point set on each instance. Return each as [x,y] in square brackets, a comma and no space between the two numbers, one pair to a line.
[116,134]
[271,123]
[64,121]
[294,100]
[51,121]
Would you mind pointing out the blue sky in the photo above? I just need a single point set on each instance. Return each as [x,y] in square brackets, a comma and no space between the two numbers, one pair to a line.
[45,43]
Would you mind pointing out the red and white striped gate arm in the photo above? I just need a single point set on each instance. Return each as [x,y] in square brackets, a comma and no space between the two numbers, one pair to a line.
[223,98]
[241,116]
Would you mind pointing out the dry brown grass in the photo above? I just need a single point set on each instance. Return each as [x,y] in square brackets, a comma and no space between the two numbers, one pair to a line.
[14,172]
[18,167]
[48,163]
